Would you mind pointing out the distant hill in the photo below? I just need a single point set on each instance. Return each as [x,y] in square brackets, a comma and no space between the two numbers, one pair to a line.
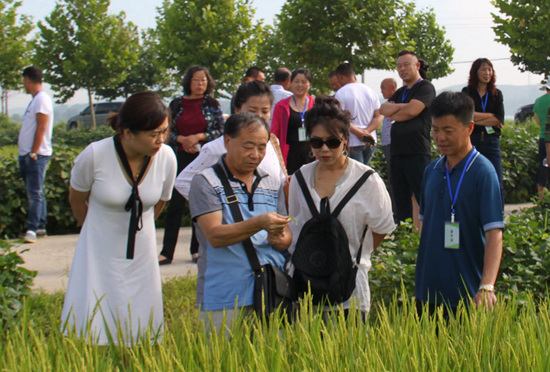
[514,96]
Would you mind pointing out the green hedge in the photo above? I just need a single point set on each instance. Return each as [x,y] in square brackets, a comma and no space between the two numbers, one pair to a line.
[518,146]
[525,267]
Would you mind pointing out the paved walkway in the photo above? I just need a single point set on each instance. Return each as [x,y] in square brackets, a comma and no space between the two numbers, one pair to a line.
[52,257]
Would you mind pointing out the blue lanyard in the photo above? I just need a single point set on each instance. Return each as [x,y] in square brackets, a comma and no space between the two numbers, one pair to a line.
[453,201]
[407,90]
[303,113]
[483,104]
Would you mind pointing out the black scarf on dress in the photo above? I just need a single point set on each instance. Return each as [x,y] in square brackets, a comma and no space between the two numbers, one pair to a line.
[134,204]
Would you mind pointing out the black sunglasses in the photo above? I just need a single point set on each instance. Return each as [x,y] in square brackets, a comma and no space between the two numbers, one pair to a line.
[332,142]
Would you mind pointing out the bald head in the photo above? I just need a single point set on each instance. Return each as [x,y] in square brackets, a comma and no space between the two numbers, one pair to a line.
[388,87]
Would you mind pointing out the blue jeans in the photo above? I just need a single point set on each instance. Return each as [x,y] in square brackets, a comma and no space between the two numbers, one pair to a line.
[33,173]
[362,154]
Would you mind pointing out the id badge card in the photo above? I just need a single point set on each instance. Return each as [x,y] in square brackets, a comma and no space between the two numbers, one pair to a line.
[490,130]
[302,137]
[452,233]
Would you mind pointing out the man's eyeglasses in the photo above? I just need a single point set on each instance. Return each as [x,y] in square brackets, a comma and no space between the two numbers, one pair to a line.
[332,142]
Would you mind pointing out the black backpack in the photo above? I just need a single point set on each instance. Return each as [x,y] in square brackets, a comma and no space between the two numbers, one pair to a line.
[322,260]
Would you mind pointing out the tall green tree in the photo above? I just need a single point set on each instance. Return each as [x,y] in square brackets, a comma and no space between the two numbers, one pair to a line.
[423,35]
[149,73]
[367,33]
[15,48]
[81,46]
[218,34]
[523,27]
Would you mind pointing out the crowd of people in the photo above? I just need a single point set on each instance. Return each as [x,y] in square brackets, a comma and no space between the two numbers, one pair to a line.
[288,157]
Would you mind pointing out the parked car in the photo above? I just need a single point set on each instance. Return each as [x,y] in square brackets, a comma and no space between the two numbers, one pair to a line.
[523,114]
[102,111]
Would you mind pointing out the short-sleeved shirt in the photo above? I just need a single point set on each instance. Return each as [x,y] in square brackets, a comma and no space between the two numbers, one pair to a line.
[495,105]
[225,274]
[371,207]
[41,104]
[449,275]
[361,101]
[540,108]
[412,137]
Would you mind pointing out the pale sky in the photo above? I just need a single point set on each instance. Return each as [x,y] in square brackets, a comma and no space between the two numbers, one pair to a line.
[467,22]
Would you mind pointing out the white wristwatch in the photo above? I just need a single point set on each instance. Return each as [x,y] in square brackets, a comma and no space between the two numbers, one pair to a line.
[33,155]
[486,287]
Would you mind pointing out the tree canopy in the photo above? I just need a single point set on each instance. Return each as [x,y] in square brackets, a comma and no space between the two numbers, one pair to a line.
[218,34]
[15,48]
[149,73]
[367,33]
[80,45]
[523,27]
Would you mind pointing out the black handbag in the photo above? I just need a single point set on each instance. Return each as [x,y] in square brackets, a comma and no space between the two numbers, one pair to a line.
[273,288]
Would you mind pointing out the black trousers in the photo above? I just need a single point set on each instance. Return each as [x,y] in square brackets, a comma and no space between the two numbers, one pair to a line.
[174,214]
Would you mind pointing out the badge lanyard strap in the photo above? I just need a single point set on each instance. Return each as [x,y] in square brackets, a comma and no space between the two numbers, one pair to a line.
[407,90]
[303,113]
[453,201]
[483,104]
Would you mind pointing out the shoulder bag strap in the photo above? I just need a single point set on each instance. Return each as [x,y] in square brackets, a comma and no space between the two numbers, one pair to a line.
[305,191]
[134,204]
[233,203]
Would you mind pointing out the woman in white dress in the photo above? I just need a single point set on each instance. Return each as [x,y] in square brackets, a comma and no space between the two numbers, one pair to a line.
[119,185]
[331,176]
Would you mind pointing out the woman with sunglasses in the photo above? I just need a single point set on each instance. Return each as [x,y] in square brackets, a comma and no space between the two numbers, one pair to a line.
[331,176]
[288,121]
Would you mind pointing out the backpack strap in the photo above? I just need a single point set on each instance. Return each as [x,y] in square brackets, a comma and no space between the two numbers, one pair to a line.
[346,199]
[352,192]
[232,201]
[305,191]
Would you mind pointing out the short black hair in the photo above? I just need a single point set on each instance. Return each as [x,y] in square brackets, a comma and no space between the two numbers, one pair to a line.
[33,73]
[143,111]
[328,113]
[186,81]
[345,69]
[251,89]
[281,75]
[302,70]
[331,74]
[457,104]
[245,119]
[253,72]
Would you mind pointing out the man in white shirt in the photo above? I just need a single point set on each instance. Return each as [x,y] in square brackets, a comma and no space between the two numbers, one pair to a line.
[35,149]
[280,87]
[362,102]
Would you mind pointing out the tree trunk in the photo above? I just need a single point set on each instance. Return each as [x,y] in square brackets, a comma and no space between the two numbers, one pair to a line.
[92,108]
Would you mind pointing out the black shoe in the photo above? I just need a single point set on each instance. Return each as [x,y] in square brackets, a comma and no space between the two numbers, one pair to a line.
[165,261]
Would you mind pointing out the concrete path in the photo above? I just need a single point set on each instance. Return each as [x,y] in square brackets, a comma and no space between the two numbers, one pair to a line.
[52,256]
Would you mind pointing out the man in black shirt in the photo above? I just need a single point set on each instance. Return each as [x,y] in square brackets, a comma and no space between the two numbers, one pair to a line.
[410,135]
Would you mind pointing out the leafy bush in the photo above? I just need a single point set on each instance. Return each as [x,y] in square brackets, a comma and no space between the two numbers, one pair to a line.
[15,284]
[525,264]
[9,131]
[519,149]
[80,137]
